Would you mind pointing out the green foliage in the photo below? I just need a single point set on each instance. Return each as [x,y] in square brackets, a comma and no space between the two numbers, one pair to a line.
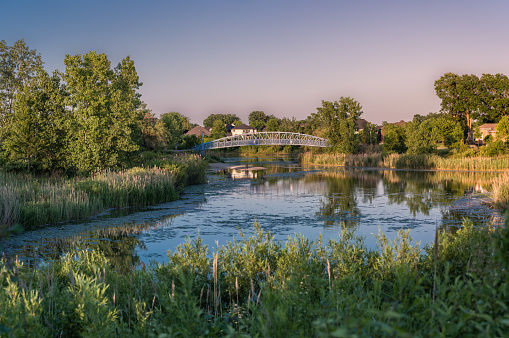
[458,286]
[272,125]
[419,137]
[175,125]
[104,105]
[218,130]
[35,133]
[339,119]
[225,118]
[394,138]
[258,119]
[503,128]
[18,64]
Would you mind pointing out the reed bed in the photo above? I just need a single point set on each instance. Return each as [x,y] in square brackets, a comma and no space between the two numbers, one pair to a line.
[32,201]
[408,161]
[457,286]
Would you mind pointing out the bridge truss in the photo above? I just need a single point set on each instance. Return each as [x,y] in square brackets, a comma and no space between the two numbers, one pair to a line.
[264,138]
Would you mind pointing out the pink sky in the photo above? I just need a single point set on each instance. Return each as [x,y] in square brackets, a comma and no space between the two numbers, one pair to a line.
[282,57]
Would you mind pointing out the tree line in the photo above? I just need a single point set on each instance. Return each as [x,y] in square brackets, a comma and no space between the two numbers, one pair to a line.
[86,118]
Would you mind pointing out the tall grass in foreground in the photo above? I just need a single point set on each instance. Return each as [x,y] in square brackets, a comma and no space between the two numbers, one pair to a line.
[260,287]
[408,161]
[33,201]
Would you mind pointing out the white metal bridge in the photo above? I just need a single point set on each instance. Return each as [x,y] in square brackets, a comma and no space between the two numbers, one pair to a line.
[275,138]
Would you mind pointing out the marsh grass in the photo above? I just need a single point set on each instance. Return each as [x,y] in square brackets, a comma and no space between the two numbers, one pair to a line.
[257,286]
[35,201]
[408,161]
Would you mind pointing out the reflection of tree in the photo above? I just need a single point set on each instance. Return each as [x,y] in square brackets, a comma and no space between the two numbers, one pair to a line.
[339,206]
[423,190]
[118,243]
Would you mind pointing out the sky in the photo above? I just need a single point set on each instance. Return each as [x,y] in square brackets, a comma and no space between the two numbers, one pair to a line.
[281,57]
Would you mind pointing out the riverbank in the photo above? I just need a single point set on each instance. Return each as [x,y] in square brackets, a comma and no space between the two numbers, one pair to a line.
[257,286]
[407,161]
[36,201]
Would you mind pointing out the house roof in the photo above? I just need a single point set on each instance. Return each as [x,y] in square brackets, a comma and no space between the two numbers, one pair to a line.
[198,130]
[489,126]
[243,126]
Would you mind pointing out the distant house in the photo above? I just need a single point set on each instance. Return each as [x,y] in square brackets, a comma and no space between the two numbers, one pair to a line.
[487,129]
[360,124]
[242,129]
[198,130]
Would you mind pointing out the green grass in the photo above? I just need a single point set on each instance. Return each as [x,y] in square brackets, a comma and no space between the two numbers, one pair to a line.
[256,286]
[35,201]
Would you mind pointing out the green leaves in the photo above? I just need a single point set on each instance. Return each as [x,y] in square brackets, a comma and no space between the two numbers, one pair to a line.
[339,120]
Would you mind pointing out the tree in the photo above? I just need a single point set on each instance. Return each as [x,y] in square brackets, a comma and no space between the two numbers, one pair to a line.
[461,97]
[503,128]
[420,137]
[225,118]
[369,134]
[447,130]
[258,119]
[218,130]
[339,118]
[394,138]
[175,125]
[105,110]
[35,132]
[495,97]
[18,64]
[272,125]
[154,134]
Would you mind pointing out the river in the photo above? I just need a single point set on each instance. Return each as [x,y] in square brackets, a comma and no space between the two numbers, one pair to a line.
[286,199]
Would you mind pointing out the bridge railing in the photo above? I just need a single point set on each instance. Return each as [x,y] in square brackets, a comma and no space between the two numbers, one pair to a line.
[264,138]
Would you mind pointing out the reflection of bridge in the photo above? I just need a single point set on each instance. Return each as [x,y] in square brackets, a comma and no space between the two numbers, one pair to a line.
[274,138]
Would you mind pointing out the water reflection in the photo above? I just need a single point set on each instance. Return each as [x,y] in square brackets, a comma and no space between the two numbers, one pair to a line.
[286,199]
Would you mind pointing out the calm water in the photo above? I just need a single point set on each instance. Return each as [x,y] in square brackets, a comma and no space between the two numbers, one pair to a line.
[286,199]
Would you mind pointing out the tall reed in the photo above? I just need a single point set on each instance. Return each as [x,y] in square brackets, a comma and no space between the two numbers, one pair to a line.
[35,201]
[408,161]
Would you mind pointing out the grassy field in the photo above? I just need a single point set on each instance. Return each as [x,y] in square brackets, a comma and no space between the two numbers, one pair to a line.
[260,287]
[35,201]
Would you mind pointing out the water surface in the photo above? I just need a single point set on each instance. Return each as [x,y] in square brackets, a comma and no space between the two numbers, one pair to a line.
[286,199]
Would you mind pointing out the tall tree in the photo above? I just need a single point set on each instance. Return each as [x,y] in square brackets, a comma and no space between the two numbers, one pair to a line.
[495,97]
[35,132]
[461,97]
[105,110]
[175,125]
[18,64]
[225,118]
[218,130]
[339,118]
[394,138]
[258,119]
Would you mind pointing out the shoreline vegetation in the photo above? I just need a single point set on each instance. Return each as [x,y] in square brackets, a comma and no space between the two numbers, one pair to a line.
[32,201]
[407,161]
[256,286]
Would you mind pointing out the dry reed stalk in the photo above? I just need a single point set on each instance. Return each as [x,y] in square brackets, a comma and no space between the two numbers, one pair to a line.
[237,289]
[328,272]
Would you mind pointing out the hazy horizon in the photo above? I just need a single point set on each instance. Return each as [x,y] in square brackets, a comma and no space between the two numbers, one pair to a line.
[281,57]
